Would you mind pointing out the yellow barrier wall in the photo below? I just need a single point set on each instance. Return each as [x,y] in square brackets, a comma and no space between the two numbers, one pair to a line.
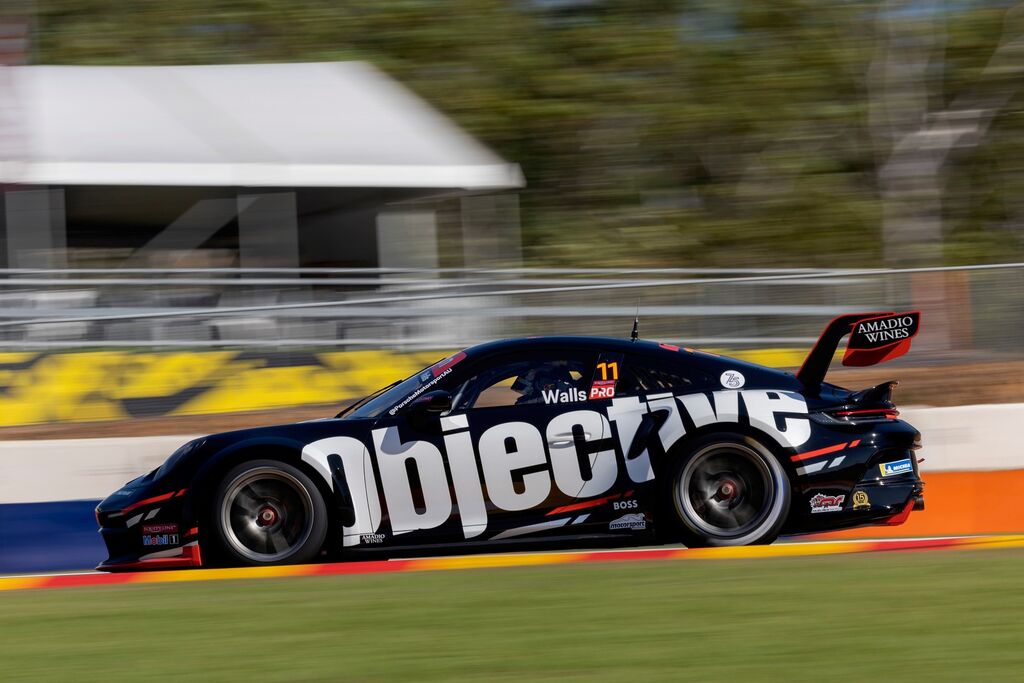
[114,385]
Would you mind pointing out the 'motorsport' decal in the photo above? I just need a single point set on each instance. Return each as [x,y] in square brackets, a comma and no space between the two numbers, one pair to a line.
[517,464]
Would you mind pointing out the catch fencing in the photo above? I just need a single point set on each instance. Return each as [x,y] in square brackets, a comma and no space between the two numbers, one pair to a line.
[974,310]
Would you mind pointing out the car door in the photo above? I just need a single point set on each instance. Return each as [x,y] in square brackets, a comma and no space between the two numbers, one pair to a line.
[418,502]
[535,435]
[638,395]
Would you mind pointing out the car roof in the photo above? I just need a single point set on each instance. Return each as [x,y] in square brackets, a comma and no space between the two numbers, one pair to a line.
[595,343]
[667,352]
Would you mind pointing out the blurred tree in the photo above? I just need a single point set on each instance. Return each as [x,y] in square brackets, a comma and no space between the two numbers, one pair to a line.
[919,121]
[669,132]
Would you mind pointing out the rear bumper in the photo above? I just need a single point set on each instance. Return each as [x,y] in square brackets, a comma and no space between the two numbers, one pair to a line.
[892,502]
[902,516]
[887,502]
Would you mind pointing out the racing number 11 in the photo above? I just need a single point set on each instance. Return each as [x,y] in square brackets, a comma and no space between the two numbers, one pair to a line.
[607,369]
[605,387]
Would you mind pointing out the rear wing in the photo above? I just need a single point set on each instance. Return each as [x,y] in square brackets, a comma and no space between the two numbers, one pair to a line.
[874,338]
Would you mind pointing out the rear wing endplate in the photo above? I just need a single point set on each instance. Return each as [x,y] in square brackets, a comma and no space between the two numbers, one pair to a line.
[874,338]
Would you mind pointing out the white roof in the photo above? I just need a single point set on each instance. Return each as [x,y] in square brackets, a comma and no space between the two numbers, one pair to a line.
[337,124]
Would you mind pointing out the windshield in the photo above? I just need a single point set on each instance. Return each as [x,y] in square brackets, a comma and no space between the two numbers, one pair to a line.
[403,393]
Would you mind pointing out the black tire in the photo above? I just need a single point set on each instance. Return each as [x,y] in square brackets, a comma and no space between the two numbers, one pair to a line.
[267,512]
[726,489]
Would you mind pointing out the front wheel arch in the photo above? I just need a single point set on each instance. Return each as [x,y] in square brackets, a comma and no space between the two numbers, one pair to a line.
[200,501]
[297,515]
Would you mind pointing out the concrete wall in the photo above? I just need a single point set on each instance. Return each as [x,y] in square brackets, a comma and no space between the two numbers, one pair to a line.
[973,465]
[77,469]
[969,438]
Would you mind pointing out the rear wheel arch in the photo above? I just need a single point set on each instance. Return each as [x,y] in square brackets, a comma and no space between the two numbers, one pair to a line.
[686,442]
[672,528]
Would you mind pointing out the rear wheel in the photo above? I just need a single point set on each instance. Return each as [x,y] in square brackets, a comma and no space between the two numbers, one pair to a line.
[268,512]
[728,490]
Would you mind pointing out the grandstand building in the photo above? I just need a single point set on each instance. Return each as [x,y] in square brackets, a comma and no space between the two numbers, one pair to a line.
[283,165]
[242,167]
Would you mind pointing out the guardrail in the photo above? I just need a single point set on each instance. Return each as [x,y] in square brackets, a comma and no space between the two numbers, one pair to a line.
[967,309]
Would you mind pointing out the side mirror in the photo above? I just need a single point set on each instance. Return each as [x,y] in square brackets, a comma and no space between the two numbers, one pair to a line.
[432,403]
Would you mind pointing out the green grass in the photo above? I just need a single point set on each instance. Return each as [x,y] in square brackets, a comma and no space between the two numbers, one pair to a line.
[936,616]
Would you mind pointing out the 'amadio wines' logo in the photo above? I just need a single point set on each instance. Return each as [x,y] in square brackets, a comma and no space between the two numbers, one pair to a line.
[874,340]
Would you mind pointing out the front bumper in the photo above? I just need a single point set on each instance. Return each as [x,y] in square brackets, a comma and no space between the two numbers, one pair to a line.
[146,531]
[182,557]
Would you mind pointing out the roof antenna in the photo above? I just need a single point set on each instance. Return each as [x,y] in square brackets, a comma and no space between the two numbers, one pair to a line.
[636,324]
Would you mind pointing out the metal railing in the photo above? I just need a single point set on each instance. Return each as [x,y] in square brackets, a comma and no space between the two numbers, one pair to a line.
[973,309]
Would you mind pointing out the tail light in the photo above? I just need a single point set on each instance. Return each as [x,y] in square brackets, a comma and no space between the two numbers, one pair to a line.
[854,416]
[862,407]
[867,414]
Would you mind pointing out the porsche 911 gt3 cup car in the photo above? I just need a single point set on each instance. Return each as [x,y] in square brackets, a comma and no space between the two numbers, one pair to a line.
[558,440]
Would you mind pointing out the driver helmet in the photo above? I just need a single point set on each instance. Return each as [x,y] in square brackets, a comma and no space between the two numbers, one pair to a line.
[531,383]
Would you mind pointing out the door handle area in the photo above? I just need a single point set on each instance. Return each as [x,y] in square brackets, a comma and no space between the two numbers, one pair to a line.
[650,423]
[567,438]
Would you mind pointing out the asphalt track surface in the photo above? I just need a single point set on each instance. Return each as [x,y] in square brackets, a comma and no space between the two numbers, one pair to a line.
[794,549]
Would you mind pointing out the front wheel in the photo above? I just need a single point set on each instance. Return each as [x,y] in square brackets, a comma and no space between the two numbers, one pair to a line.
[728,490]
[268,512]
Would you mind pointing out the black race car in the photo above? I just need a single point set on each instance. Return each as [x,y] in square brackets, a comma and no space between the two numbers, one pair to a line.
[558,440]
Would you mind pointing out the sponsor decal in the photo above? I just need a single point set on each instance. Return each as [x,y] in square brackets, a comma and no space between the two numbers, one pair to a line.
[160,534]
[635,522]
[821,502]
[875,340]
[891,469]
[412,397]
[160,539]
[371,538]
[602,388]
[606,374]
[732,380]
[437,372]
[568,396]
[508,466]
[447,364]
[869,334]
[861,500]
[625,505]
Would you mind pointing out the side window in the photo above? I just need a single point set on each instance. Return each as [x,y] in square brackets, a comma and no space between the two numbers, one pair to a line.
[540,380]
[646,376]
